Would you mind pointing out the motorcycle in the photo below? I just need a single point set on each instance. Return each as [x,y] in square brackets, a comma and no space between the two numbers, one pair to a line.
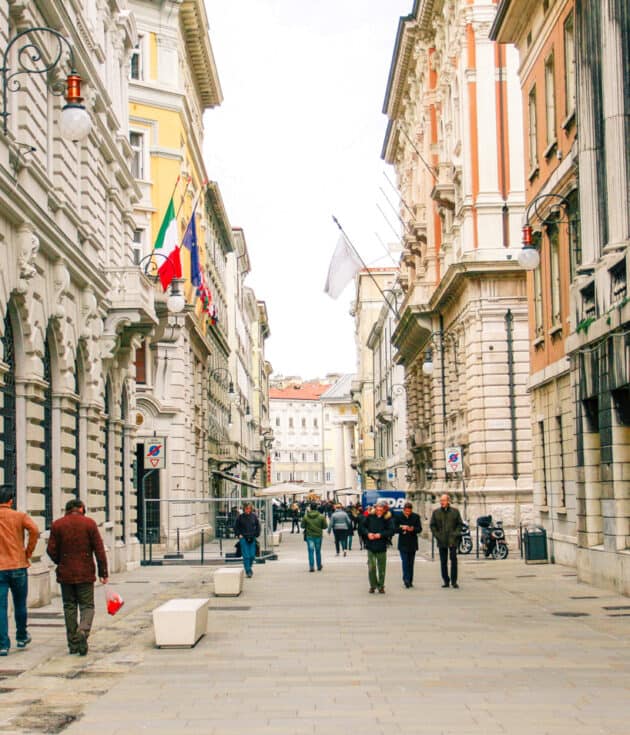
[492,538]
[465,545]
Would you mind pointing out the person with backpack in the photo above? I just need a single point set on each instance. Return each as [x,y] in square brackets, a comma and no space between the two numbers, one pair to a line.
[314,525]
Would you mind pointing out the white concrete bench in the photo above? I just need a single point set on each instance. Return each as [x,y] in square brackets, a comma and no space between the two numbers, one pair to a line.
[228,581]
[180,622]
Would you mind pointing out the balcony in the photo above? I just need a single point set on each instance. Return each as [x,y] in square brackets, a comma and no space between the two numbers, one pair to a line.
[131,296]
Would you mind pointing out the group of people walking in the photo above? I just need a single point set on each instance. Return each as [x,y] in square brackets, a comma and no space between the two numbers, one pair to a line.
[376,529]
[74,545]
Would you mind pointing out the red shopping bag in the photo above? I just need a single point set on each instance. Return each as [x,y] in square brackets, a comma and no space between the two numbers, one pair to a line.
[113,599]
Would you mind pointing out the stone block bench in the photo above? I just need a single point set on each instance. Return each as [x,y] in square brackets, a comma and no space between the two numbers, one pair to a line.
[180,622]
[228,581]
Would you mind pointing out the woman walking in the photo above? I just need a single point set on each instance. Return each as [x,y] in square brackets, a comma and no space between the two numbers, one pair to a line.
[341,526]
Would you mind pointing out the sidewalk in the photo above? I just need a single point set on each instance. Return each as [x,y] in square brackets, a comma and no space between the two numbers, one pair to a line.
[315,653]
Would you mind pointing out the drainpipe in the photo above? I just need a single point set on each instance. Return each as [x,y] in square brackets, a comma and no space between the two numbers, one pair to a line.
[443,373]
[509,326]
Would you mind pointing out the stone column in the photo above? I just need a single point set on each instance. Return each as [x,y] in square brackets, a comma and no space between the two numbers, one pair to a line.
[616,111]
[340,457]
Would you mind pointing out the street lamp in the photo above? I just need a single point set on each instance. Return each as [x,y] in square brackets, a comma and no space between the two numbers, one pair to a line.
[176,303]
[427,365]
[75,123]
[225,382]
[529,257]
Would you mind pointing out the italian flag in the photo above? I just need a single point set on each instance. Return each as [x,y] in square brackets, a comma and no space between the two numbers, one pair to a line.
[166,243]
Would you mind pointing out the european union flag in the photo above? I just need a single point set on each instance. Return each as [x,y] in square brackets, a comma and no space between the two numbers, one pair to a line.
[190,242]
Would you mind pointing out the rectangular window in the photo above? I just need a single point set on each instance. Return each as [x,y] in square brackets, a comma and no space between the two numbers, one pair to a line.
[538,304]
[532,134]
[569,66]
[550,100]
[543,461]
[328,477]
[278,476]
[290,422]
[575,246]
[554,273]
[138,246]
[277,421]
[137,162]
[303,456]
[563,491]
[141,363]
[315,424]
[304,423]
[315,457]
[136,70]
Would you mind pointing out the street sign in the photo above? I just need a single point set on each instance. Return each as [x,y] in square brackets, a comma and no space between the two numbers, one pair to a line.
[453,460]
[155,452]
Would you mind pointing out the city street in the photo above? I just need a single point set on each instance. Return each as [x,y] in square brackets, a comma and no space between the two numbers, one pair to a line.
[517,649]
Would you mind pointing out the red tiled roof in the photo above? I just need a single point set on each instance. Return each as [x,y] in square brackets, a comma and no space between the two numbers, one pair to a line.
[308,391]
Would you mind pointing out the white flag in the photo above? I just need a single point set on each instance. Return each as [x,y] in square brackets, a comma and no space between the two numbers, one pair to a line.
[344,266]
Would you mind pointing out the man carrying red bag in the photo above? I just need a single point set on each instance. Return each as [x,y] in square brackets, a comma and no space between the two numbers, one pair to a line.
[74,542]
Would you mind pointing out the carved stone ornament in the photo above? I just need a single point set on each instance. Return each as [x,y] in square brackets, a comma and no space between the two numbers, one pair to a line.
[27,247]
[61,282]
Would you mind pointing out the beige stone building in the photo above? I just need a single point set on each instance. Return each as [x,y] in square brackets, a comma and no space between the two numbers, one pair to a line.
[454,139]
[378,390]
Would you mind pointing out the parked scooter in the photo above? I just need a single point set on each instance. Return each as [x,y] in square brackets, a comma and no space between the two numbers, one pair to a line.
[465,545]
[492,538]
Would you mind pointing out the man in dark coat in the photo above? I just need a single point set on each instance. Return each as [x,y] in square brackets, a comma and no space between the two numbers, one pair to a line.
[376,529]
[247,530]
[408,526]
[446,526]
[73,543]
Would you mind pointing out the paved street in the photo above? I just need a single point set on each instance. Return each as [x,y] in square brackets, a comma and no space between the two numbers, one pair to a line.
[315,653]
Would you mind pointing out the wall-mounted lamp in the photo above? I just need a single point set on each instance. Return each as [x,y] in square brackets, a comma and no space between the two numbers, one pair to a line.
[397,390]
[528,256]
[225,381]
[75,123]
[176,303]
[427,365]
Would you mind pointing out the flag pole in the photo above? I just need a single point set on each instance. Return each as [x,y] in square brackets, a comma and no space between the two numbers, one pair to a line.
[394,308]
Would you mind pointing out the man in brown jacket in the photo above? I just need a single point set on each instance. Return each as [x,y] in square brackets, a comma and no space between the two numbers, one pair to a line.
[74,542]
[14,562]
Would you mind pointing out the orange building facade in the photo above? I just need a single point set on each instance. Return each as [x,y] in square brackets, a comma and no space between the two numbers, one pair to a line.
[544,33]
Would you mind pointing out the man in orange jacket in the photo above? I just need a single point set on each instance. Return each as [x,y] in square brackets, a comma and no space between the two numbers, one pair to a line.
[14,562]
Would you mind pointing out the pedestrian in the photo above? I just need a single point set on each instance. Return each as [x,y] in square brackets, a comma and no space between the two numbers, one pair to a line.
[314,524]
[340,525]
[408,526]
[295,517]
[377,530]
[73,543]
[14,563]
[446,527]
[247,530]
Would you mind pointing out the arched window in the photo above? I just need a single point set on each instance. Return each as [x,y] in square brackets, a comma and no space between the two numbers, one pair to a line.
[7,411]
[48,442]
[106,439]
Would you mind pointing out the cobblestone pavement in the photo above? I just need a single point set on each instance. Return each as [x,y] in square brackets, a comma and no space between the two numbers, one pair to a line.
[517,649]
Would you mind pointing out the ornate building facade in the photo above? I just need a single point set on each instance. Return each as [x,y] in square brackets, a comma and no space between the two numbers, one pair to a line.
[454,138]
[69,327]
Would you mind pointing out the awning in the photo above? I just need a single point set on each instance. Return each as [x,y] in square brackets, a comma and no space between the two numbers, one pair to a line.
[289,488]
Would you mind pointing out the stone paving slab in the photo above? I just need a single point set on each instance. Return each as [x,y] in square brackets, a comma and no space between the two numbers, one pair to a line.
[315,653]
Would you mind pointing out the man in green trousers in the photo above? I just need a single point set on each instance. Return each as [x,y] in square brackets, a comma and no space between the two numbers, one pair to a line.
[376,530]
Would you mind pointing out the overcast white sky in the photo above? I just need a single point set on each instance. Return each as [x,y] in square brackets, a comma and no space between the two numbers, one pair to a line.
[297,139]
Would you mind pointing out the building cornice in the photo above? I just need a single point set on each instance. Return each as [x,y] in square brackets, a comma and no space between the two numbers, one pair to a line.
[511,20]
[195,32]
[411,334]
